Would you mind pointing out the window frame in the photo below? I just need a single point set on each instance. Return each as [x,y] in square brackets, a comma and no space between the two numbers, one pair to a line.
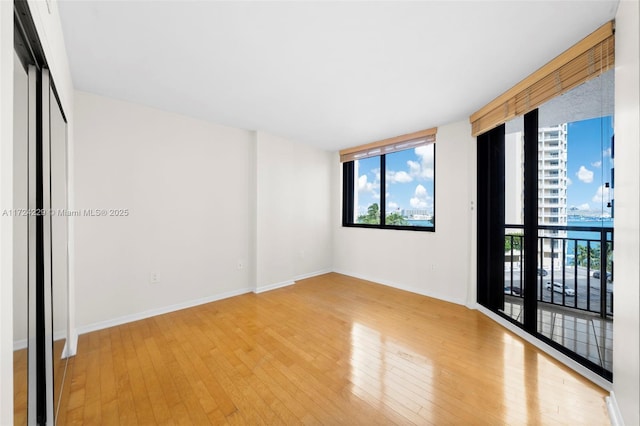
[348,198]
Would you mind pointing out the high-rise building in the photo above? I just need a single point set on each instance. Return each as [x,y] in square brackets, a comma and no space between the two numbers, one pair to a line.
[552,187]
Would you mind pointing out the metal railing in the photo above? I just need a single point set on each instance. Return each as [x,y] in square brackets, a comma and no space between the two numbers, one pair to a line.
[570,267]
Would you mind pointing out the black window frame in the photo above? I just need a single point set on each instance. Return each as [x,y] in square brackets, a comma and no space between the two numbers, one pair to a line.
[348,185]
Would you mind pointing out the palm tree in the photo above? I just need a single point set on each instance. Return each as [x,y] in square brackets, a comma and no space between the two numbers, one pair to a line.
[372,217]
[396,219]
[592,256]
[513,241]
[582,255]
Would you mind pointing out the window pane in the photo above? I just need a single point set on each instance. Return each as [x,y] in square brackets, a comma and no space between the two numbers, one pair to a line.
[514,219]
[367,191]
[514,171]
[410,187]
[575,177]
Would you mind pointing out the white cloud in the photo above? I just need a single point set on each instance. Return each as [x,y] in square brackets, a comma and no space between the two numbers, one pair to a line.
[569,181]
[584,206]
[601,195]
[424,168]
[607,152]
[414,167]
[362,183]
[597,164]
[392,206]
[398,177]
[420,200]
[424,151]
[417,203]
[365,186]
[585,175]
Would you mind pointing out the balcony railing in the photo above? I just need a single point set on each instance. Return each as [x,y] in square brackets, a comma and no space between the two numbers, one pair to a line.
[569,267]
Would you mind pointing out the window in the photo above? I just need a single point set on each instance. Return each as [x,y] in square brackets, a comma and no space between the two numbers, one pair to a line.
[408,199]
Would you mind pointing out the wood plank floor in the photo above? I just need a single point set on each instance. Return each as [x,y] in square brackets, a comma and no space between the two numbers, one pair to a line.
[328,350]
[20,387]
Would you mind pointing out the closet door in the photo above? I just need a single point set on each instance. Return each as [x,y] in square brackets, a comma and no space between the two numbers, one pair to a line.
[59,245]
[45,219]
[40,231]
[22,105]
[34,232]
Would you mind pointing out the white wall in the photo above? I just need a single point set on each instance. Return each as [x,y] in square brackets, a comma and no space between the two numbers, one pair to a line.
[185,184]
[274,170]
[293,237]
[214,211]
[431,263]
[312,238]
[626,325]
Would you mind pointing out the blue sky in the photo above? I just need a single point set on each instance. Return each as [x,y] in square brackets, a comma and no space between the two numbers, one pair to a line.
[409,180]
[589,163]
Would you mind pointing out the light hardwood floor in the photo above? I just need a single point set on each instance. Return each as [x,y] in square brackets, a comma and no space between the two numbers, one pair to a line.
[328,350]
[20,387]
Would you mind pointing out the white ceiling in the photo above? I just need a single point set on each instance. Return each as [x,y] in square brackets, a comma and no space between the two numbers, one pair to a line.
[330,74]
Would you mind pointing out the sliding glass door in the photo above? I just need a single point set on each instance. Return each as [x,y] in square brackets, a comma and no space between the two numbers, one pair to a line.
[575,221]
[545,230]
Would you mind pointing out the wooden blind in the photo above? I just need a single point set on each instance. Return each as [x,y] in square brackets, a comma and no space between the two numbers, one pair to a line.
[587,59]
[387,146]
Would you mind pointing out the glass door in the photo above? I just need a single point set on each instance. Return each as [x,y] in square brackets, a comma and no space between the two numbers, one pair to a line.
[545,229]
[575,221]
[514,220]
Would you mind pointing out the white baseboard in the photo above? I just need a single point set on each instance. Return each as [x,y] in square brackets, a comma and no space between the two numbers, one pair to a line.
[404,287]
[72,347]
[159,311]
[574,365]
[20,344]
[23,343]
[614,411]
[312,274]
[65,350]
[270,287]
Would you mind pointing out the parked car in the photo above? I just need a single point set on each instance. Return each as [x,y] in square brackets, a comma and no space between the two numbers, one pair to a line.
[542,272]
[557,287]
[596,274]
[512,290]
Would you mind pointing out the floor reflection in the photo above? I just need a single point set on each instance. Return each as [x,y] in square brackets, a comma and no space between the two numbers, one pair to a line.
[385,373]
[513,361]
[587,335]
